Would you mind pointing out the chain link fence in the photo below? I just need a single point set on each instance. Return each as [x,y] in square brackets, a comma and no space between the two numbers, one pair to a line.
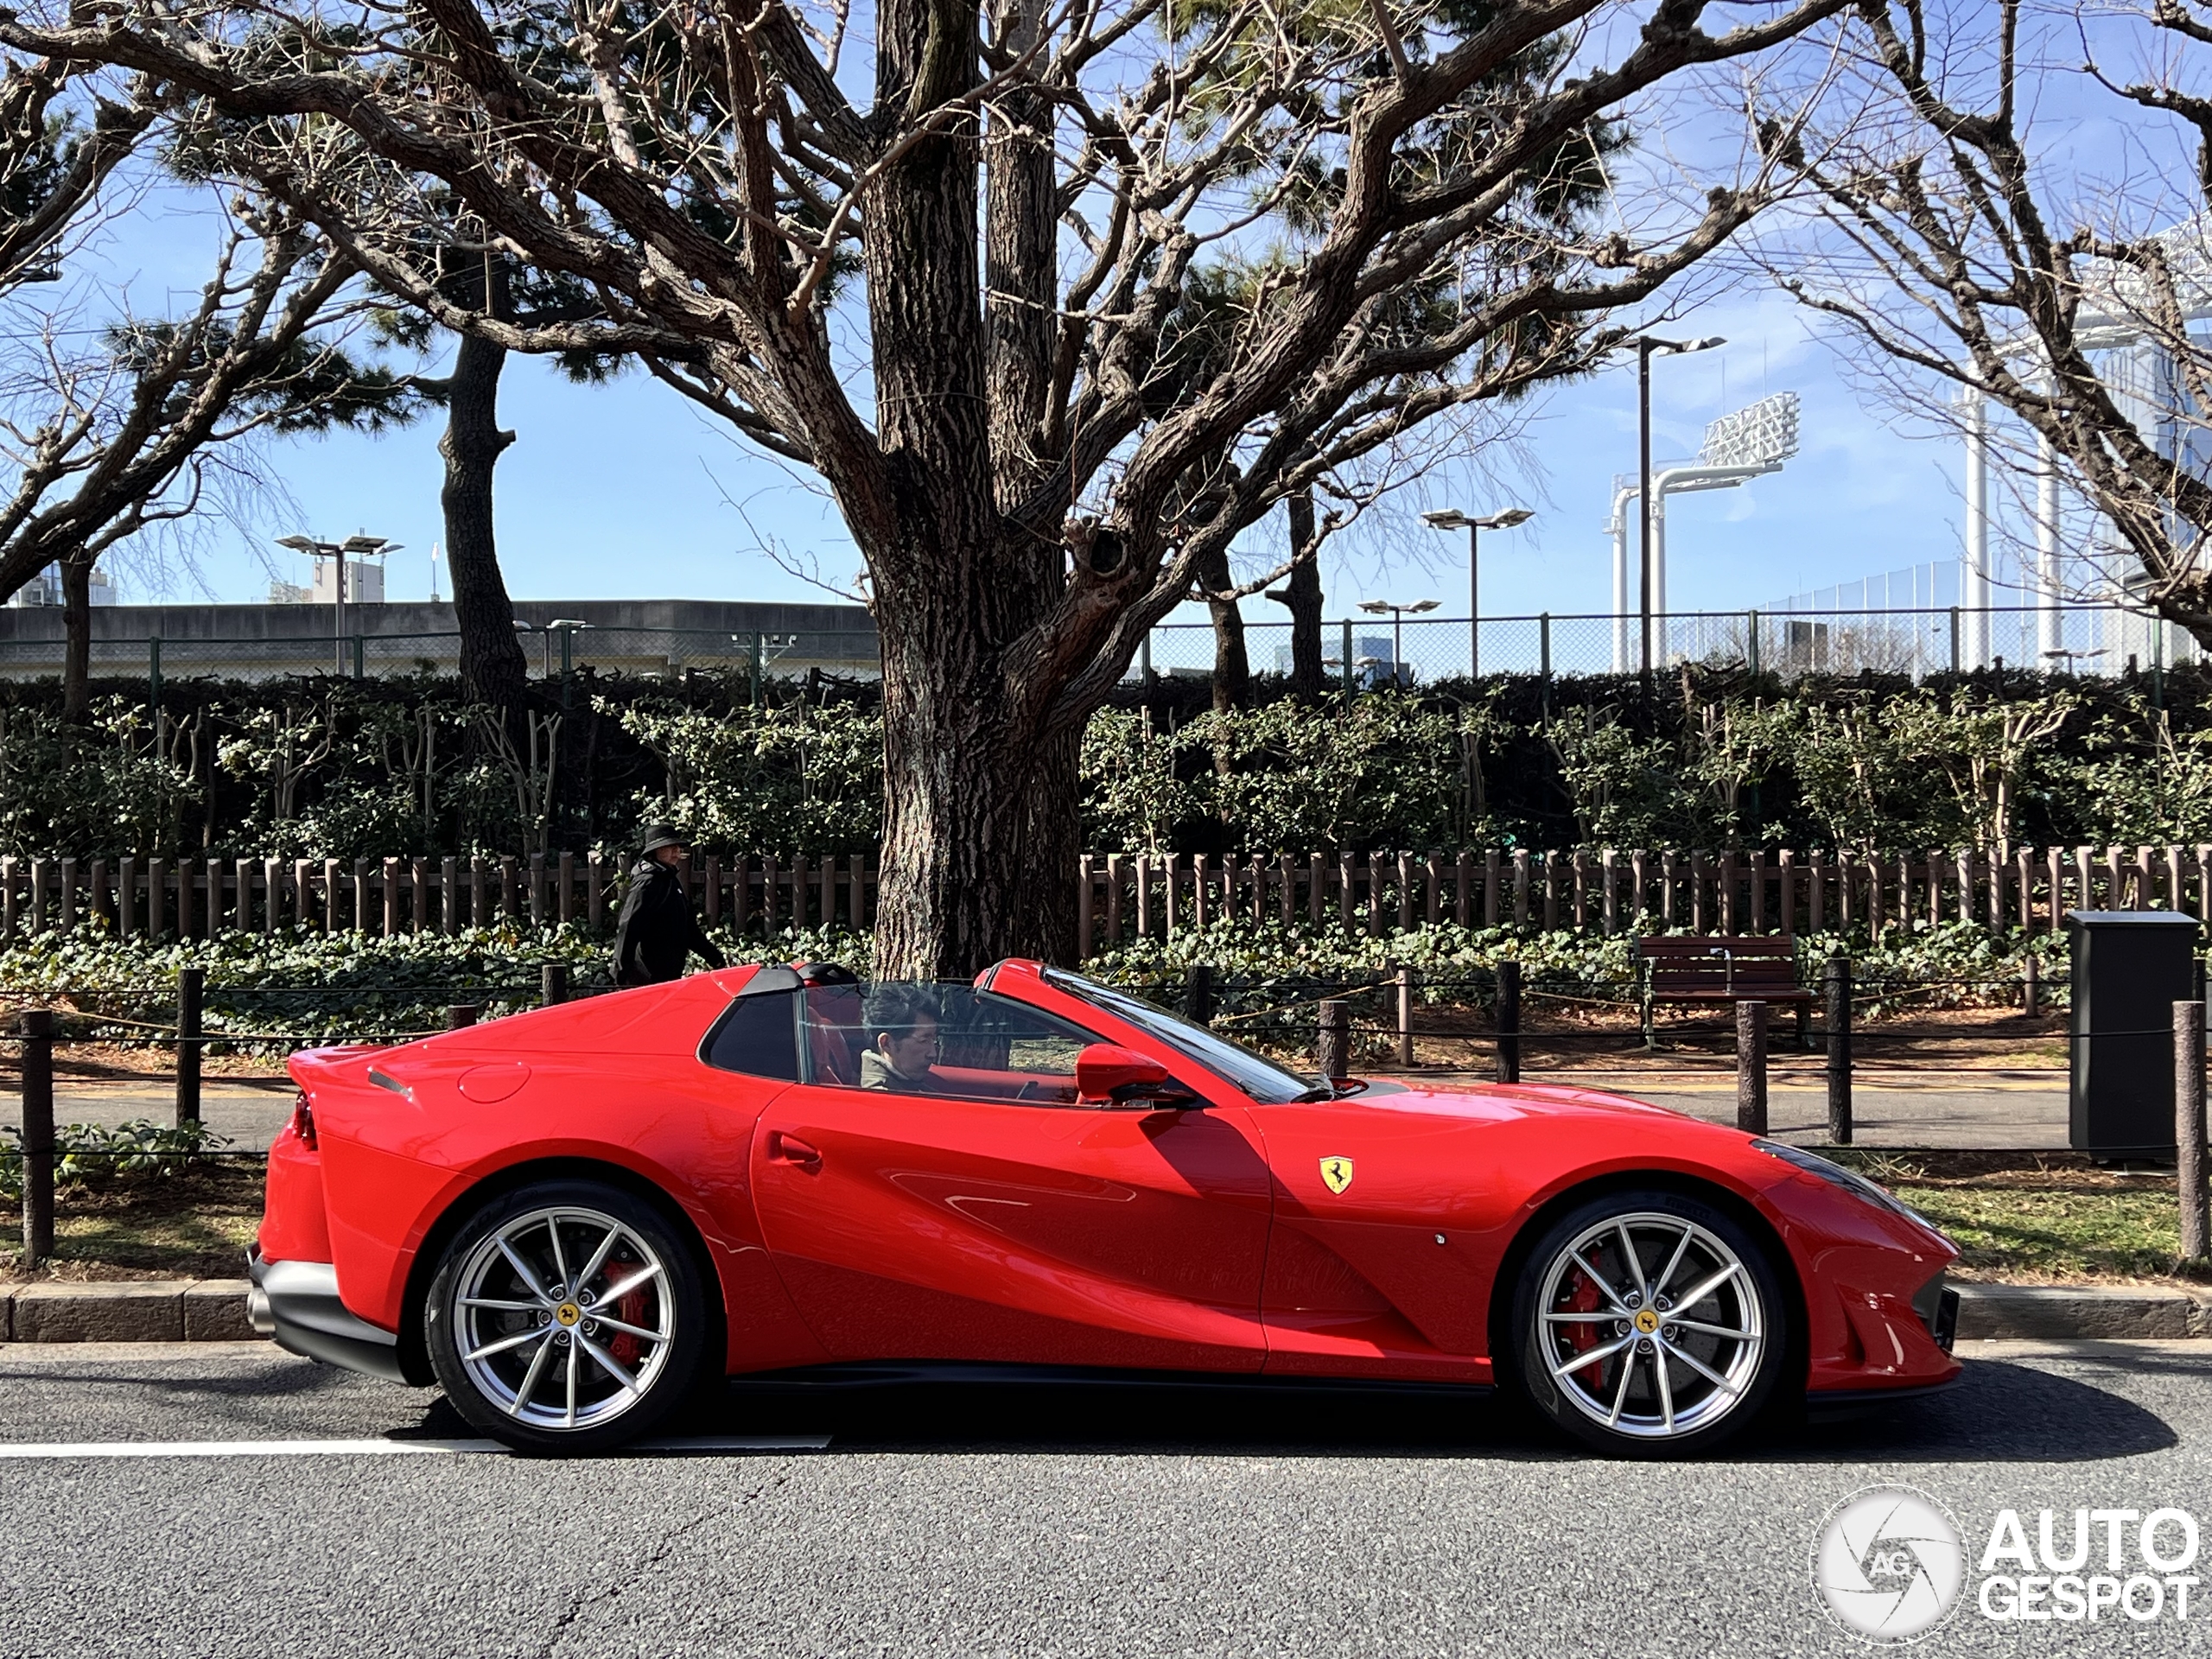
[1409,650]
[1363,653]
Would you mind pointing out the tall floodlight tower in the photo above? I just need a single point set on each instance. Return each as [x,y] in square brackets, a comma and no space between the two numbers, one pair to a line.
[1750,443]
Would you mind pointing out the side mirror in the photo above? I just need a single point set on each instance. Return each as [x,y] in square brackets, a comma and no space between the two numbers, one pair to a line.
[1111,1077]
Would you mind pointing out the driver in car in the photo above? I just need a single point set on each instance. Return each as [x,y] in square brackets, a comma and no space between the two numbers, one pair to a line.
[900,1023]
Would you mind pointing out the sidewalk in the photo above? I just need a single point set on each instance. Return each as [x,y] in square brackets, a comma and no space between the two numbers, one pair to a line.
[2011,1111]
[252,1113]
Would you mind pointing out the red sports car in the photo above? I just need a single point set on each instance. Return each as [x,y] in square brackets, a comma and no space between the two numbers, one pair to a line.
[571,1218]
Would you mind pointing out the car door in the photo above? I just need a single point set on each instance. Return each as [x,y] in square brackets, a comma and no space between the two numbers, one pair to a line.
[1386,1237]
[994,1218]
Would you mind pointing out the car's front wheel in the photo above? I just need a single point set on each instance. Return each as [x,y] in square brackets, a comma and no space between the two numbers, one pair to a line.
[1648,1323]
[565,1317]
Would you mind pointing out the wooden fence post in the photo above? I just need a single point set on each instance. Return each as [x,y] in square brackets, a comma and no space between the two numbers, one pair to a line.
[553,984]
[191,986]
[1404,977]
[1835,986]
[2189,1129]
[461,1016]
[1505,1021]
[1332,1040]
[1198,993]
[36,1058]
[1751,1067]
[1083,897]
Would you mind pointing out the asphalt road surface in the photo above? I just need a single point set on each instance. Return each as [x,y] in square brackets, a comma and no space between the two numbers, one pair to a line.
[1021,1521]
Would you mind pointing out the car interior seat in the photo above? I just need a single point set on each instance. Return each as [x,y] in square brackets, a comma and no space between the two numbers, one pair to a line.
[833,1033]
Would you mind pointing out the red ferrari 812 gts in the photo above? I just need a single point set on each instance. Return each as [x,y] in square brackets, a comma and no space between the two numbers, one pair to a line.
[572,1219]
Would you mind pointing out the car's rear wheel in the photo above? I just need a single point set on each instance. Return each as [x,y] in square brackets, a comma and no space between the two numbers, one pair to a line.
[565,1317]
[1649,1324]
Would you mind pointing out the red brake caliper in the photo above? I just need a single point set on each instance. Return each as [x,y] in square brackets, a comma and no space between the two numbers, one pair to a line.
[631,1310]
[1582,1336]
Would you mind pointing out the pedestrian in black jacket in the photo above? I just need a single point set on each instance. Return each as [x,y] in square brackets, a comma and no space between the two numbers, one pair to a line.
[657,930]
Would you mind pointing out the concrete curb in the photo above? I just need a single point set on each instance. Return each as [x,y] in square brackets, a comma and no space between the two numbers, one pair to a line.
[2081,1312]
[125,1310]
[214,1310]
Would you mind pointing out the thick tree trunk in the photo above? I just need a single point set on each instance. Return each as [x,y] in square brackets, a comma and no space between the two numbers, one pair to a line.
[1232,665]
[979,786]
[1301,595]
[77,640]
[492,668]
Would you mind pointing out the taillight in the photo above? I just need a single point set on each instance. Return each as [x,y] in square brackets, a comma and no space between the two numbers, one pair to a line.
[303,1122]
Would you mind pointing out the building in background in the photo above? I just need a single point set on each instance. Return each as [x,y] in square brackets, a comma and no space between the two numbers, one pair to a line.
[45,589]
[364,584]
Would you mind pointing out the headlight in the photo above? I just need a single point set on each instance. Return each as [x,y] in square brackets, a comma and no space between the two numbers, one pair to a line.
[1849,1179]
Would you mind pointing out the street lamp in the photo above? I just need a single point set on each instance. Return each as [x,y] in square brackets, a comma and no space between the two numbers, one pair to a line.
[363,547]
[1397,614]
[1452,518]
[566,626]
[1646,347]
[2074,658]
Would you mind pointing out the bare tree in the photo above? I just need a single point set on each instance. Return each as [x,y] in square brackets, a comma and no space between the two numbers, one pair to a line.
[1990,264]
[1302,596]
[55,163]
[1030,194]
[99,441]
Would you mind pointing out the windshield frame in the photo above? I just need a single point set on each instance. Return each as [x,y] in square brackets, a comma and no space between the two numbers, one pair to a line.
[1251,1075]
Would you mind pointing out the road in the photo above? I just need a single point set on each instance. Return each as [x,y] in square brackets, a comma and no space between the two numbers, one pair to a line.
[1031,1522]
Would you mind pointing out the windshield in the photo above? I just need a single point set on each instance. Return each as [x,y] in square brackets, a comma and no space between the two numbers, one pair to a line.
[1262,1080]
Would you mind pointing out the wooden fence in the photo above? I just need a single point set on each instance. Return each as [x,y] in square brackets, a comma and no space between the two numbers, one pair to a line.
[1614,891]
[1130,896]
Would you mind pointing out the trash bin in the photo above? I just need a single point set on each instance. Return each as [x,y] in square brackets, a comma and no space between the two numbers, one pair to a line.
[2130,968]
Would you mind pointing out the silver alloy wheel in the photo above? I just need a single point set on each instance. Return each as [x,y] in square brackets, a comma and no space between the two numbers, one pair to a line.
[1650,1325]
[563,1318]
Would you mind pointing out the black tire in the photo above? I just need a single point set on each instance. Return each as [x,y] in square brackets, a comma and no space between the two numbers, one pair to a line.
[1672,1388]
[508,1357]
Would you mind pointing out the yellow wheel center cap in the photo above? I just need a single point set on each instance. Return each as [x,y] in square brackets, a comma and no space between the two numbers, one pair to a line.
[567,1312]
[1646,1321]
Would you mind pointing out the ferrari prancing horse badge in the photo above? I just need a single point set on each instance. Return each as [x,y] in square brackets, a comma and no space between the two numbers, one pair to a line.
[1336,1173]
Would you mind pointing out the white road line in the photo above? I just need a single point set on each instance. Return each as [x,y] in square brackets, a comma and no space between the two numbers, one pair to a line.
[378,1448]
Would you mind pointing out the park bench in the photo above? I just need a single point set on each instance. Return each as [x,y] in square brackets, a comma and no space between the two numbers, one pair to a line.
[1705,970]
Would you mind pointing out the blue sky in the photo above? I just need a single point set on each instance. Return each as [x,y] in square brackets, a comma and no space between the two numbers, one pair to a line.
[626,491]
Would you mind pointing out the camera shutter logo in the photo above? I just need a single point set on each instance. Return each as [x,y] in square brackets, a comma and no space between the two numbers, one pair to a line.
[1888,1563]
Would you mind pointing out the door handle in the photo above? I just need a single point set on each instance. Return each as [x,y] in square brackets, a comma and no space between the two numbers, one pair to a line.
[790,1149]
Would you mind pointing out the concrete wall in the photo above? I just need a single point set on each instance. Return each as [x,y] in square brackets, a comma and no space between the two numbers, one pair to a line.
[638,636]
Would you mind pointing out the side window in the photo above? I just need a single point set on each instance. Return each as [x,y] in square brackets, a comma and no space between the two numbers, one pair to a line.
[954,1041]
[758,1036]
